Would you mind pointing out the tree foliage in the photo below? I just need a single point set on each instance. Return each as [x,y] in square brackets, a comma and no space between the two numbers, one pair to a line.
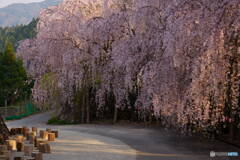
[158,59]
[15,34]
[14,83]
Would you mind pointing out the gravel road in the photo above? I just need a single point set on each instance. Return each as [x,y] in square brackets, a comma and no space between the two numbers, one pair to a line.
[125,142]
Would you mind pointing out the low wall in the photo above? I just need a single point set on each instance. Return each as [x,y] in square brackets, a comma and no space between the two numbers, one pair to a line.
[18,112]
[11,111]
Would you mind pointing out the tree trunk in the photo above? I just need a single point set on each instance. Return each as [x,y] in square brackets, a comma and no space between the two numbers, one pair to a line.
[115,115]
[6,104]
[232,129]
[83,110]
[87,107]
[4,132]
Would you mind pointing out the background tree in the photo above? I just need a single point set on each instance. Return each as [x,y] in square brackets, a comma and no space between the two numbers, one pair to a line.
[14,83]
[169,54]
[17,33]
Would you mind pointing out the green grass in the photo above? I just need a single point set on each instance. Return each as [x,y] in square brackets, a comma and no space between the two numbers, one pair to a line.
[57,121]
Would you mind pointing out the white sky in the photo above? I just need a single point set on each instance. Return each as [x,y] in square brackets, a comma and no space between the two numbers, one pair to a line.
[4,3]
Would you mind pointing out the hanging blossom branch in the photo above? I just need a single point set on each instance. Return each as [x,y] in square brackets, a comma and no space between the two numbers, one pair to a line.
[158,58]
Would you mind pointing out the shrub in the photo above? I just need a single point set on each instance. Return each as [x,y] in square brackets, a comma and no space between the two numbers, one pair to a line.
[56,120]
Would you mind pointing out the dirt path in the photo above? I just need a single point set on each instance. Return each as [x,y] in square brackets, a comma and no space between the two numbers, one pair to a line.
[108,142]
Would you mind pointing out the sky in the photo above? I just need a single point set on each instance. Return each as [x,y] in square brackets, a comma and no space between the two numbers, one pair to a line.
[4,3]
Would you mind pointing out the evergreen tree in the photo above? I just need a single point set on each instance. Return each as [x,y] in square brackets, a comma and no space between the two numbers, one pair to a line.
[14,83]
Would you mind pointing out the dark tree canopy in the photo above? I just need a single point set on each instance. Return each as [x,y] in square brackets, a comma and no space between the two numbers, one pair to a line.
[14,83]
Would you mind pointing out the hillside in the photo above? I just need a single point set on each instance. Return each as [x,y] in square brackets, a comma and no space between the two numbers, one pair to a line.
[15,34]
[17,14]
[175,62]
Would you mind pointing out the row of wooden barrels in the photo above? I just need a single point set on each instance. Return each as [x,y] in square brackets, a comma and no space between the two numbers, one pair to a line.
[27,144]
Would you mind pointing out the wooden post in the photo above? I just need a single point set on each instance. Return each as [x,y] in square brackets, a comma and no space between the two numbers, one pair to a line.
[44,135]
[28,149]
[20,130]
[15,131]
[25,131]
[28,136]
[51,136]
[44,148]
[31,137]
[19,138]
[34,133]
[38,141]
[34,129]
[37,155]
[12,144]
[56,133]
[49,130]
[20,146]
